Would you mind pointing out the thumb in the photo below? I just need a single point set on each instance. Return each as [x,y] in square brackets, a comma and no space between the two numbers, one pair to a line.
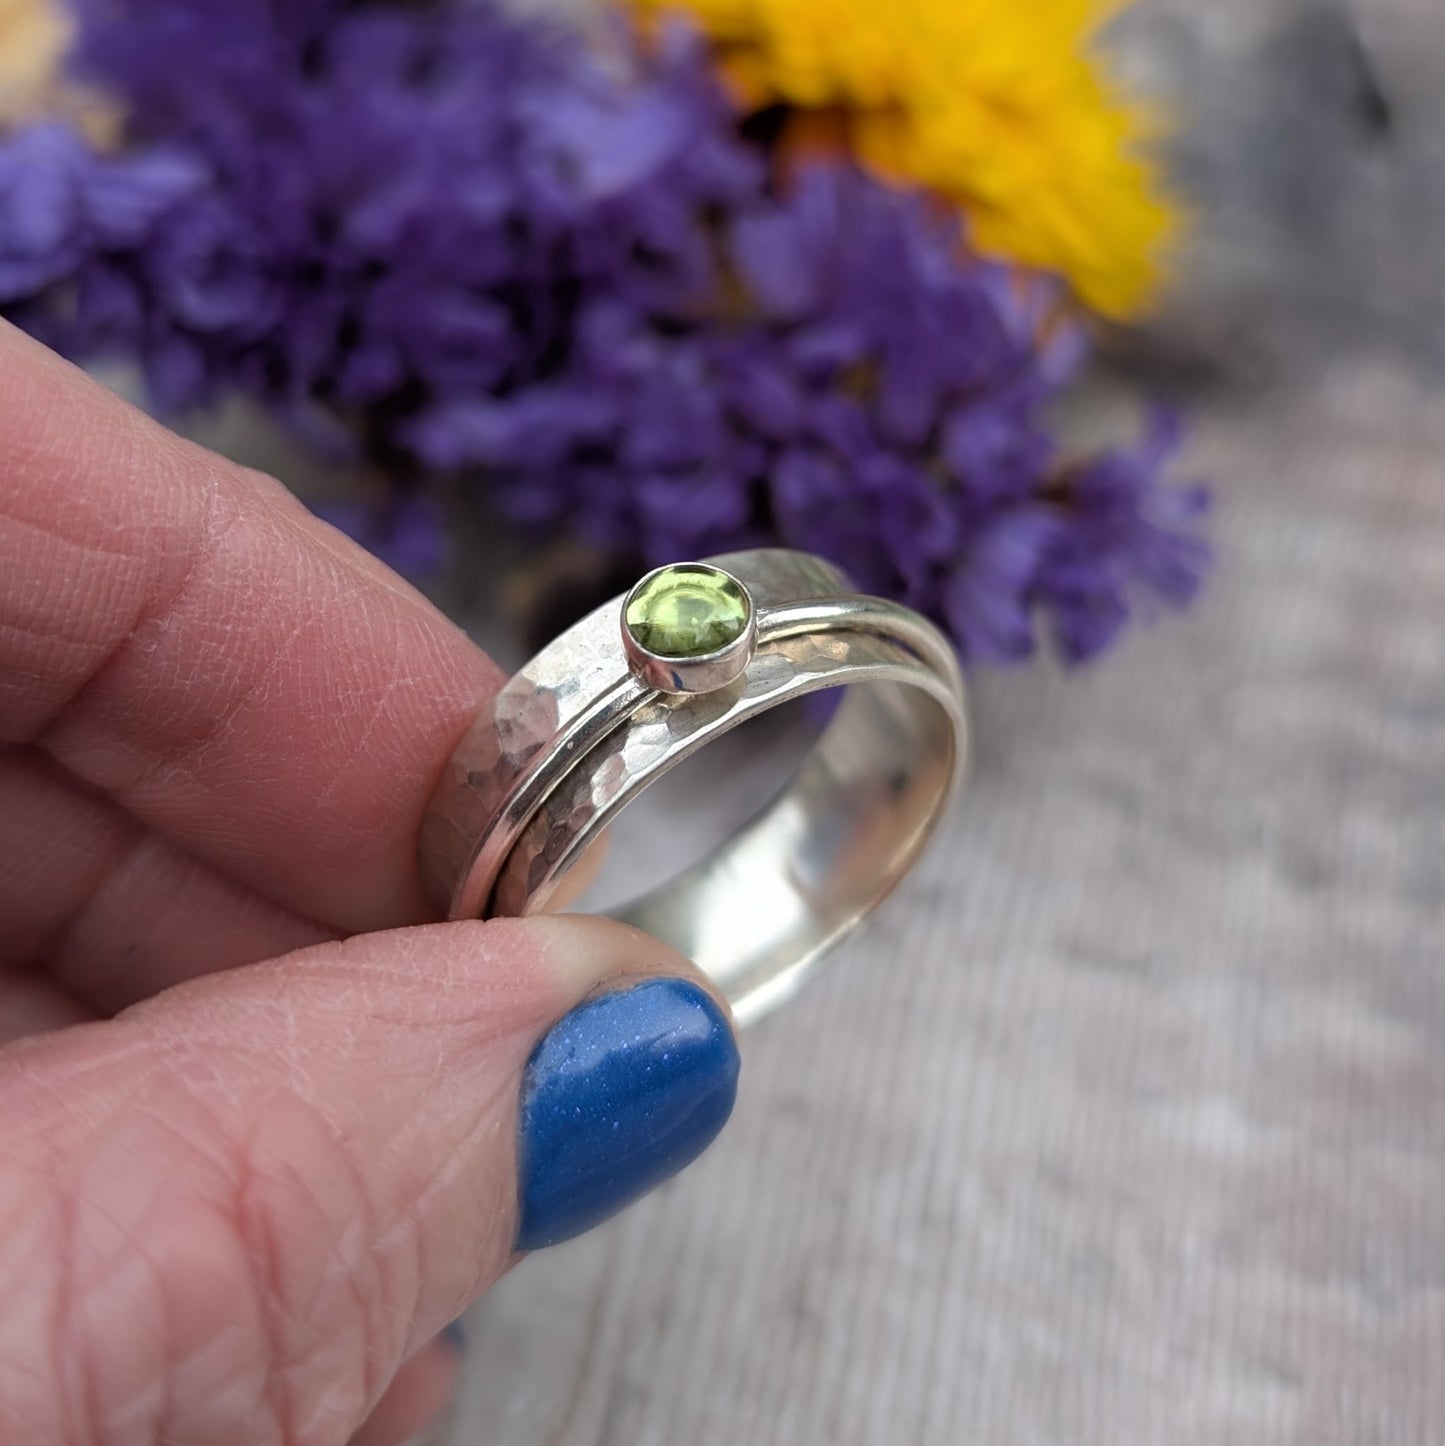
[232,1212]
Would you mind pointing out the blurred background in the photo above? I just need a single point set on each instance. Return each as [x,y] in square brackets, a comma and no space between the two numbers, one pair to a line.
[1313,157]
[1124,1122]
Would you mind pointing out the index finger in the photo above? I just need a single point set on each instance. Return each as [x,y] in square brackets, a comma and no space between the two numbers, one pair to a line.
[182,634]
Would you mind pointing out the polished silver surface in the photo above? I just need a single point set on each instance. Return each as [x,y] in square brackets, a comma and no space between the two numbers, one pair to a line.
[576,736]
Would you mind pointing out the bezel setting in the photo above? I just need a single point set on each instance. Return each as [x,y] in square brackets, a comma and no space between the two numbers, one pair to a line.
[681,673]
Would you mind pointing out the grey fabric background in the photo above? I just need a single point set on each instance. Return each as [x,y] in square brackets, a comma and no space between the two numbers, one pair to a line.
[1125,1123]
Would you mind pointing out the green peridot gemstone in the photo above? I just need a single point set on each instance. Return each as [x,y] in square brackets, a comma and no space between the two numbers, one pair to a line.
[687,611]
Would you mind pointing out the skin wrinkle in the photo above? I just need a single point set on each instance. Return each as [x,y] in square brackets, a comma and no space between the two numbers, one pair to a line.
[382,1232]
[243,1212]
[188,758]
[296,1314]
[341,767]
[246,1399]
[401,1225]
[121,433]
[499,1209]
[87,546]
[31,1005]
[155,895]
[154,618]
[488,1106]
[66,1363]
[397,685]
[175,1354]
[260,1255]
[54,641]
[109,1421]
[134,1063]
[98,1047]
[222,724]
[79,835]
[290,1340]
[377,1313]
[146,607]
[16,638]
[109,871]
[229,786]
[176,1293]
[183,766]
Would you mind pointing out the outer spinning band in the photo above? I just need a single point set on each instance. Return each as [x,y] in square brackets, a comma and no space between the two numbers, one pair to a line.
[648,679]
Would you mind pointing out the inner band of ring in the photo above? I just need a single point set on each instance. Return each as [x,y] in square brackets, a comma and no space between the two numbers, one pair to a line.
[770,900]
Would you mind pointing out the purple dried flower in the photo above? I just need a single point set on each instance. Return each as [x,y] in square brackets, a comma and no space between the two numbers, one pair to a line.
[452,236]
[1130,538]
[384,204]
[875,398]
[60,201]
[989,591]
[42,208]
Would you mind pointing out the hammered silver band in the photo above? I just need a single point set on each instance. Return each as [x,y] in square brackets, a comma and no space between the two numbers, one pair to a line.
[576,735]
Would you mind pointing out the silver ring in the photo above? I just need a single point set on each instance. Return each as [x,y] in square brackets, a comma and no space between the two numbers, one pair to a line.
[651,677]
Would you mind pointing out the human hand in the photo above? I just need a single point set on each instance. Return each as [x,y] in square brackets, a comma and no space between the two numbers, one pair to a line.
[263,1131]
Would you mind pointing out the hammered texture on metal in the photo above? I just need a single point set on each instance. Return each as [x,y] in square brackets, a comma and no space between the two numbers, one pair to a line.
[554,690]
[506,735]
[660,734]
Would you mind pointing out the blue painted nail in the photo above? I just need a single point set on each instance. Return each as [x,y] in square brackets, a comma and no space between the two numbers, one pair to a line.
[454,1333]
[620,1094]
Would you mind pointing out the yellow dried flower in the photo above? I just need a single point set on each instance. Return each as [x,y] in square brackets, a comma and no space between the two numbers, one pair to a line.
[997,104]
[33,38]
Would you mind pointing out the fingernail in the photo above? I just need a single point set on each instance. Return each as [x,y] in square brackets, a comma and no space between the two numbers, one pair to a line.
[619,1095]
[455,1335]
